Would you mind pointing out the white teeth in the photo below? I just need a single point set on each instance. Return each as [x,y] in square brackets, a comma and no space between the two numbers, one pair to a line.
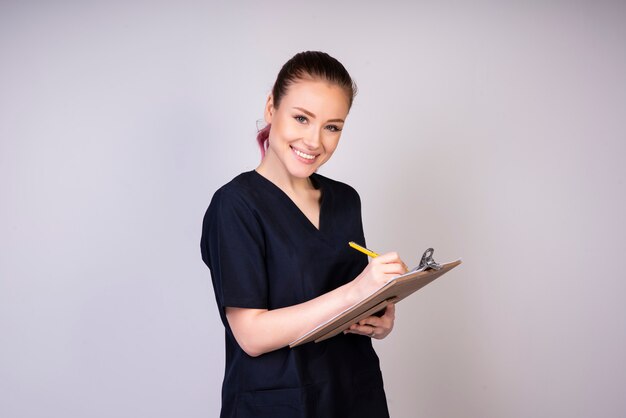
[303,155]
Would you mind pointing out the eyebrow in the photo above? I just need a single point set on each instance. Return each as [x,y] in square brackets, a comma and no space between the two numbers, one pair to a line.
[313,115]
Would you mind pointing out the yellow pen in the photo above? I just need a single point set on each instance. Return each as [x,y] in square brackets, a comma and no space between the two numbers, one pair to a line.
[362,249]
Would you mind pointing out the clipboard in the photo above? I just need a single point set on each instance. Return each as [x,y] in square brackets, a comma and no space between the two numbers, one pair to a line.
[394,291]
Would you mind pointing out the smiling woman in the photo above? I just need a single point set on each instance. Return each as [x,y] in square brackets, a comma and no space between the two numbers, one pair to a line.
[306,126]
[276,242]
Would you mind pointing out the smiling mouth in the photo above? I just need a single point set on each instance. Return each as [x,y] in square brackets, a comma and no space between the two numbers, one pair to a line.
[301,154]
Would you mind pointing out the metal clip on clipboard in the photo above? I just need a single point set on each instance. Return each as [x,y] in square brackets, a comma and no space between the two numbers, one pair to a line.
[427,262]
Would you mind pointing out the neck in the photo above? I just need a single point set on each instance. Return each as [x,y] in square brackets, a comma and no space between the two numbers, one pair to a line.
[274,171]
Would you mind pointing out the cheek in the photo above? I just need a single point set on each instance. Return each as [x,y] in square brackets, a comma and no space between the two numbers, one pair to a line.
[330,144]
[286,130]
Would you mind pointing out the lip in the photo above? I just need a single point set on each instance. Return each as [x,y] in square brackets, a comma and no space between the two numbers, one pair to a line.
[303,160]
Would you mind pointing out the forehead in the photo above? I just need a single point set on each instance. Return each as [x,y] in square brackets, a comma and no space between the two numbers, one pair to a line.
[320,95]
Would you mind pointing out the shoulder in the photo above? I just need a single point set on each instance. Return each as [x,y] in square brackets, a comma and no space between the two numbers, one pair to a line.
[241,190]
[239,198]
[242,183]
[337,188]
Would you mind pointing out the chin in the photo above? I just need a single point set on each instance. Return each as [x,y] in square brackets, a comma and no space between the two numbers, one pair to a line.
[303,172]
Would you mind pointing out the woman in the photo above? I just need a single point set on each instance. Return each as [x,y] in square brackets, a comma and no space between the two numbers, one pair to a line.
[276,241]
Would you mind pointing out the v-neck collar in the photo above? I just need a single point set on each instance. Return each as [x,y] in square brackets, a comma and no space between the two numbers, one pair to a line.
[324,197]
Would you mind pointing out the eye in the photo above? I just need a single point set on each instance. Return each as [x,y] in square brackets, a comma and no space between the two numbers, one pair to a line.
[333,128]
[301,119]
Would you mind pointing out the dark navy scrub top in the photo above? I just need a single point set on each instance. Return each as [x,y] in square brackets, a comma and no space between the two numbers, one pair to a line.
[264,253]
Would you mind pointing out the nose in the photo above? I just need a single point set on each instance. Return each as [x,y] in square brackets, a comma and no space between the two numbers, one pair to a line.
[312,140]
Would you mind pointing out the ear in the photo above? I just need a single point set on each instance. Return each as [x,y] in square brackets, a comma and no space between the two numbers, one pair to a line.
[269,109]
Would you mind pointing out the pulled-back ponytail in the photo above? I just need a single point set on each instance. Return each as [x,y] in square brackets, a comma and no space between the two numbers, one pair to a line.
[262,138]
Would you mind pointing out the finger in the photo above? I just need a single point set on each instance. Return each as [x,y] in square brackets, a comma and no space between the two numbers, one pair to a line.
[382,320]
[391,261]
[392,268]
[390,311]
[391,257]
[373,321]
[362,329]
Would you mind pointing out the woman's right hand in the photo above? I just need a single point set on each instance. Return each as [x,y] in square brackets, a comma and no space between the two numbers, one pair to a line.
[260,331]
[377,273]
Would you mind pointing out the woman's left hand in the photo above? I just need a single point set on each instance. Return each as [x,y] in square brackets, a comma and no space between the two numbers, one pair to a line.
[374,326]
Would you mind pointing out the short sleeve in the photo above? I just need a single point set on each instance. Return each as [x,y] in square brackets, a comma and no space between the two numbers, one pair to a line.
[233,247]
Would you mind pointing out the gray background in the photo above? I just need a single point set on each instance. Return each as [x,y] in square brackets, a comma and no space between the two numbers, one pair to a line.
[492,132]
